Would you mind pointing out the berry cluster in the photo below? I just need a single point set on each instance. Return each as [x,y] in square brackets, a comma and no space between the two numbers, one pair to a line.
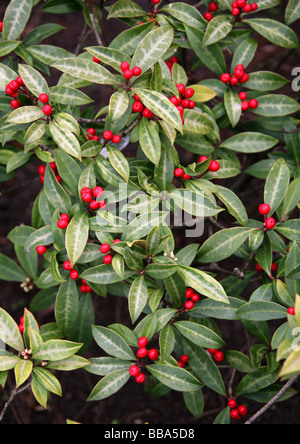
[63,222]
[138,107]
[105,249]
[214,166]
[185,94]
[184,359]
[179,172]
[142,353]
[108,136]
[47,109]
[239,76]
[42,169]
[128,73]
[217,354]
[91,135]
[170,63]
[251,104]
[88,195]
[240,6]
[84,288]
[12,89]
[270,222]
[237,411]
[212,7]
[274,267]
[73,273]
[191,297]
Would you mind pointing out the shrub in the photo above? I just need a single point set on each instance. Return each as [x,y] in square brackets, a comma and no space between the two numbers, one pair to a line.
[180,194]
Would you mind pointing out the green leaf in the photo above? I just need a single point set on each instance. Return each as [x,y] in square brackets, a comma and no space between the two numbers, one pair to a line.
[290,229]
[67,95]
[112,343]
[166,341]
[161,271]
[128,40]
[292,197]
[16,16]
[126,9]
[261,311]
[66,306]
[249,142]
[47,380]
[77,236]
[203,283]
[233,106]
[104,274]
[233,204]
[244,53]
[199,335]
[56,350]
[195,203]
[276,185]
[109,56]
[161,106]
[239,361]
[274,31]
[218,28]
[291,366]
[66,140]
[55,193]
[118,161]
[176,378]
[42,236]
[142,225]
[255,381]
[8,46]
[292,264]
[109,385]
[86,70]
[149,141]
[118,104]
[202,93]
[265,81]
[185,13]
[8,362]
[194,402]
[26,114]
[10,271]
[264,256]
[137,299]
[222,244]
[34,81]
[274,105]
[196,122]
[23,371]
[152,48]
[292,12]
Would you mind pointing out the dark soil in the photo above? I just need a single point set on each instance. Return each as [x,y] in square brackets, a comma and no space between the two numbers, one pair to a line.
[131,405]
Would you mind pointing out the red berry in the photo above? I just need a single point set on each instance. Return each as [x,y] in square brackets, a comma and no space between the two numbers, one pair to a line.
[179,172]
[67,265]
[94,205]
[134,370]
[107,135]
[137,107]
[156,2]
[1,26]
[213,7]
[189,93]
[186,176]
[189,292]
[234,4]
[219,356]
[22,319]
[258,267]
[62,224]
[43,98]
[253,103]
[137,71]
[116,139]
[274,267]
[147,113]
[14,85]
[181,364]
[245,106]
[42,169]
[181,88]
[105,248]
[254,6]
[270,223]
[21,328]
[47,109]
[214,166]
[184,359]
[192,104]
[225,78]
[102,204]
[108,259]
[125,66]
[153,354]
[128,74]
[96,60]
[212,351]
[15,104]
[74,274]
[239,73]
[208,16]
[8,90]
[243,410]
[234,81]
[98,191]
[247,9]
[240,66]
[174,100]
[20,81]
[264,209]
[245,78]
[195,297]
[185,103]
[291,311]
[243,95]
[235,11]
[232,403]
[241,3]
[189,305]
[116,241]
[58,178]
[41,249]
[180,109]
[142,352]
[65,217]
[235,414]
[140,378]
[96,138]
[136,98]
[143,341]
[202,158]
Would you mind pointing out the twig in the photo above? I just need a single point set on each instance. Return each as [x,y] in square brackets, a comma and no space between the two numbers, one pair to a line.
[13,394]
[273,400]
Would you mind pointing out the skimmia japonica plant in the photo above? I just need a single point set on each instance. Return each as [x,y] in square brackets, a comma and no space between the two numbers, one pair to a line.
[105,224]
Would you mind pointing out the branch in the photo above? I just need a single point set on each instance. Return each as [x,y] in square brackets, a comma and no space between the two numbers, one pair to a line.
[13,394]
[273,400]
